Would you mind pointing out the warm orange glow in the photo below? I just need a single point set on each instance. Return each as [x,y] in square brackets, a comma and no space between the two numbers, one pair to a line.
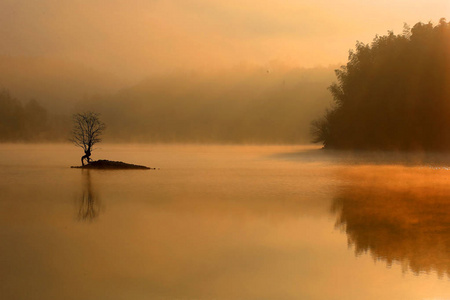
[135,38]
[398,214]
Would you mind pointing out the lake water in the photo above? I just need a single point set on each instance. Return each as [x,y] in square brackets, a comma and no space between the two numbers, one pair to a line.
[223,222]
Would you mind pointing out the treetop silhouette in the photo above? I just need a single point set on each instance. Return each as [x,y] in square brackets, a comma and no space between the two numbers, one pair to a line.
[393,94]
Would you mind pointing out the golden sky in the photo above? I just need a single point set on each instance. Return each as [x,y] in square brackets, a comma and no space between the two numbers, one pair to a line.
[141,37]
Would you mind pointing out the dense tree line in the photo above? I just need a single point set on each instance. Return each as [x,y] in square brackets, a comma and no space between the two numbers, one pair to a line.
[29,121]
[393,94]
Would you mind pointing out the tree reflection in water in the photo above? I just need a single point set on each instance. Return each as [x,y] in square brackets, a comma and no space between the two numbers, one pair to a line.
[398,214]
[89,204]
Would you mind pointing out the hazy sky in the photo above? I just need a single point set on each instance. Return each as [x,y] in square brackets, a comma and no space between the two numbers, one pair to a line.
[139,37]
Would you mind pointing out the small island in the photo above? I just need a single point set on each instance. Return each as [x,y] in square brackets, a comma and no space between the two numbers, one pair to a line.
[86,132]
[111,165]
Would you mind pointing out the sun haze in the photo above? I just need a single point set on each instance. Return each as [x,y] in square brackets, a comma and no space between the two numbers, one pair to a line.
[138,38]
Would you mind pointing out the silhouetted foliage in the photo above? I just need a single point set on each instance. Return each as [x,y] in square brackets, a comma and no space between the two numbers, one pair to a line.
[393,94]
[29,122]
[86,132]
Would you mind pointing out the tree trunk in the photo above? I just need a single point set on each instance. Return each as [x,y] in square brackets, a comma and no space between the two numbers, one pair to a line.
[88,154]
[82,159]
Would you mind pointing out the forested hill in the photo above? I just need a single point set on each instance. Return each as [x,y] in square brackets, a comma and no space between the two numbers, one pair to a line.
[30,122]
[242,105]
[239,105]
[393,94]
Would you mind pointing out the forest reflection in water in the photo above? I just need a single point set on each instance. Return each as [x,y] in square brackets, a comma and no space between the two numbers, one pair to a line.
[397,214]
[89,205]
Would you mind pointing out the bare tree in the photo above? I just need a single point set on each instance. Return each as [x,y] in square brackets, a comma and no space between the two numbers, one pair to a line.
[86,132]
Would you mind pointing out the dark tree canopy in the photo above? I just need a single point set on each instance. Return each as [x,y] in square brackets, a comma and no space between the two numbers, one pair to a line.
[393,94]
[21,122]
[86,132]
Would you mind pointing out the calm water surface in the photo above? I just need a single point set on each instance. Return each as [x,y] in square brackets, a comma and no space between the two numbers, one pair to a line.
[223,222]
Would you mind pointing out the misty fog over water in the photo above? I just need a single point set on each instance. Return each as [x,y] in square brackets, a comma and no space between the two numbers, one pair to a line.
[222,222]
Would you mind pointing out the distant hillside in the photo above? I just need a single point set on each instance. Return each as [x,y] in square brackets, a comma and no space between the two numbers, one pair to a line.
[30,121]
[241,105]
